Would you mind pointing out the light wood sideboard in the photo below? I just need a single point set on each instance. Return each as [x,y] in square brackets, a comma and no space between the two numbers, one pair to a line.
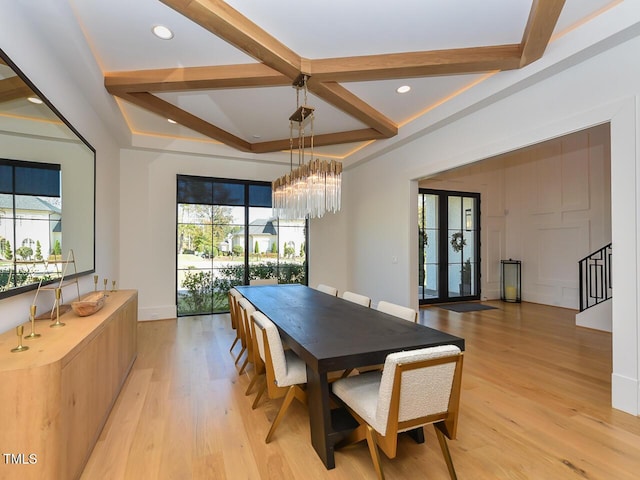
[56,397]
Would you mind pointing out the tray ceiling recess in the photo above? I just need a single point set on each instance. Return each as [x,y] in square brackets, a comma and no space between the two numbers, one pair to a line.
[280,65]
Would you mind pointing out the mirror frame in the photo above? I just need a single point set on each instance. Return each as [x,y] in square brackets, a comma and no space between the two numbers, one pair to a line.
[33,286]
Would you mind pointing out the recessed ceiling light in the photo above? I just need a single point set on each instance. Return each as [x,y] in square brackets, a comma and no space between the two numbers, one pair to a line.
[162,32]
[256,136]
[35,100]
[171,120]
[403,89]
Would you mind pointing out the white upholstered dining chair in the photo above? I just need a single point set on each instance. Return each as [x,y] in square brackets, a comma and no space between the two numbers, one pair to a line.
[286,373]
[327,289]
[416,388]
[357,298]
[399,311]
[259,371]
[245,309]
[234,295]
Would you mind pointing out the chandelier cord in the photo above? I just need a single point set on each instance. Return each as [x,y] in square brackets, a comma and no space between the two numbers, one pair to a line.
[314,188]
[312,115]
[291,145]
[300,129]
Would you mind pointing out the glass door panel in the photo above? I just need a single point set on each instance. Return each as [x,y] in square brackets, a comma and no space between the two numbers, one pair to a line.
[428,242]
[263,243]
[292,240]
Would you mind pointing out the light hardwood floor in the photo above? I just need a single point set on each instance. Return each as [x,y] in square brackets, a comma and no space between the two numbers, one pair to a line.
[535,405]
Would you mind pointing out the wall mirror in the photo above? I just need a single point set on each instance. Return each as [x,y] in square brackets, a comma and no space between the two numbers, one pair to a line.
[39,153]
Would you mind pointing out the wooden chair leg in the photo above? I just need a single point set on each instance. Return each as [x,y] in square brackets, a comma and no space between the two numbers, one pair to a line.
[346,373]
[355,436]
[244,365]
[259,395]
[373,450]
[256,376]
[288,398]
[244,349]
[445,452]
[300,394]
[234,343]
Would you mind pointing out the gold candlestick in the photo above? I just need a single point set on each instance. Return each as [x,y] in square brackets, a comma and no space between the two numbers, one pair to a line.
[113,286]
[32,319]
[95,283]
[19,332]
[105,285]
[58,297]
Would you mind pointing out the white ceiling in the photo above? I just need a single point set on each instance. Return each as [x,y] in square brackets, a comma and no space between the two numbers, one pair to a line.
[119,35]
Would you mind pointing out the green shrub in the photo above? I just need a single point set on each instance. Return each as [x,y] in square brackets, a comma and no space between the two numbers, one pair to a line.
[8,252]
[292,273]
[8,280]
[199,287]
[25,252]
[289,251]
[206,294]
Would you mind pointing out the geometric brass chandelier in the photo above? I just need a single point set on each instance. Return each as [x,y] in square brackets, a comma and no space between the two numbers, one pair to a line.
[313,187]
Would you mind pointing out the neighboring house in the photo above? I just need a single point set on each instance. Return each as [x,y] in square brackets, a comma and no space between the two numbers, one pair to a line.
[36,220]
[265,233]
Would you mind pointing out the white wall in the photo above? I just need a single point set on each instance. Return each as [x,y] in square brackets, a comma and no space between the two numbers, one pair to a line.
[30,49]
[601,89]
[382,232]
[328,246]
[548,205]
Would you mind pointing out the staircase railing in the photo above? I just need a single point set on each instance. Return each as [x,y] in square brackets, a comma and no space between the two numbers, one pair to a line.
[595,278]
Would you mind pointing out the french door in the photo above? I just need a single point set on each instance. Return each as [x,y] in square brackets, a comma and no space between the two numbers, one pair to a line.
[449,246]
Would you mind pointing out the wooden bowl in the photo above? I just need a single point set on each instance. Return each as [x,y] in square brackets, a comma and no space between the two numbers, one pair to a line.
[89,304]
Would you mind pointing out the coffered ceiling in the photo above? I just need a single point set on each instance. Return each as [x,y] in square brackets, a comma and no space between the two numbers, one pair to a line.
[225,77]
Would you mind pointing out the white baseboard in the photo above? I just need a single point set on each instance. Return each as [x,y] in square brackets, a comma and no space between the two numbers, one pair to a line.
[157,313]
[625,394]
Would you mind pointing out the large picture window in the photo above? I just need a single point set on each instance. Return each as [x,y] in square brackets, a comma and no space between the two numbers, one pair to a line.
[30,222]
[227,235]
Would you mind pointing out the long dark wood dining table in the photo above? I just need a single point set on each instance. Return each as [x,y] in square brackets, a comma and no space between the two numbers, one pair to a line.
[331,334]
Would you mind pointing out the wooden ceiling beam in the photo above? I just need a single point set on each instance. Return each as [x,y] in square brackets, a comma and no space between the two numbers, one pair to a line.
[280,65]
[542,21]
[416,64]
[194,78]
[227,23]
[340,97]
[13,88]
[157,105]
[319,140]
